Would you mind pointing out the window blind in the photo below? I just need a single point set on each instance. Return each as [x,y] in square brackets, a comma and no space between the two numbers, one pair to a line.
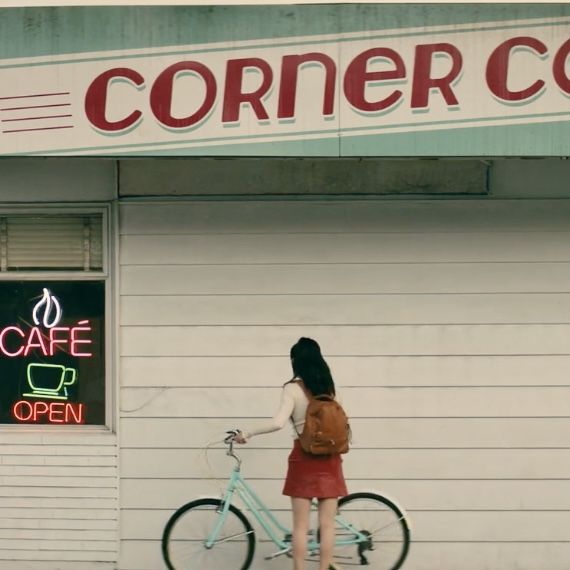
[51,242]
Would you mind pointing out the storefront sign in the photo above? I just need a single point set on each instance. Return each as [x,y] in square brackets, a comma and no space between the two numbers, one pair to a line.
[24,340]
[223,95]
[52,412]
[51,357]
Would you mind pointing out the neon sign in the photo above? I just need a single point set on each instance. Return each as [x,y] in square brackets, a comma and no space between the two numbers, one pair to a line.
[48,303]
[16,341]
[50,380]
[52,368]
[52,412]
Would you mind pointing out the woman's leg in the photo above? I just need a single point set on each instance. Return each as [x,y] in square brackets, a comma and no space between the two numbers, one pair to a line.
[301,512]
[327,513]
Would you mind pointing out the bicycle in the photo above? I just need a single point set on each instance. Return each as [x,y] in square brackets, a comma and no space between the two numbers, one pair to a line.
[212,533]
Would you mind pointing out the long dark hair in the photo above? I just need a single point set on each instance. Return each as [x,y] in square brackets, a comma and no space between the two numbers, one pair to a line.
[309,365]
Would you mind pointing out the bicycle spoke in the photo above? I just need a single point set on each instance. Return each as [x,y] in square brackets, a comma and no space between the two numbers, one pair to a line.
[380,538]
[383,528]
[222,540]
[187,533]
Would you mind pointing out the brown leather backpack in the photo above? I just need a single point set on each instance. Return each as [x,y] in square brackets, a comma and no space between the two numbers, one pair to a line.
[326,430]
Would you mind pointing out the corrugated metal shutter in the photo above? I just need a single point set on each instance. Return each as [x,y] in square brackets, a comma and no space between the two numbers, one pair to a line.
[51,242]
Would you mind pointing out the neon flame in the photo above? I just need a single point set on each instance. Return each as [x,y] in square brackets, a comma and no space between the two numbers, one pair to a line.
[50,301]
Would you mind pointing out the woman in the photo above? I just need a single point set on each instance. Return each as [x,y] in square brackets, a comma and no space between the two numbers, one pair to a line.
[308,476]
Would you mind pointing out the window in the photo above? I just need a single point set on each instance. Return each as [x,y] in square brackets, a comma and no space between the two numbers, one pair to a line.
[52,319]
[51,242]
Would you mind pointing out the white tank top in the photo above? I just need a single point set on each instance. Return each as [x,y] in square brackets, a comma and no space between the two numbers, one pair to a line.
[293,404]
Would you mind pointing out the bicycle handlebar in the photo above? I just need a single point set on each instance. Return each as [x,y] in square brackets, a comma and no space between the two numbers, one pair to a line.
[232,433]
[229,441]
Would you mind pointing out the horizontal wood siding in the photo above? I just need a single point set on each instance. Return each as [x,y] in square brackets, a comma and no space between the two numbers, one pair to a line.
[59,497]
[446,325]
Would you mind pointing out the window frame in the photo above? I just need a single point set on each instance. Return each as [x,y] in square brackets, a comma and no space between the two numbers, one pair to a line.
[108,274]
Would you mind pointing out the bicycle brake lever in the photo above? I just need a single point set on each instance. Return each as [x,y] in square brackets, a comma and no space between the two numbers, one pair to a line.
[231,435]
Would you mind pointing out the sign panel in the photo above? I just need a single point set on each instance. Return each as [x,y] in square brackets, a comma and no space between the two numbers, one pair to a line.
[52,355]
[215,98]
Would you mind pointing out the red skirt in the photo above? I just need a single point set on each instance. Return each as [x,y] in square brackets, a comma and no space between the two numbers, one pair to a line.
[314,476]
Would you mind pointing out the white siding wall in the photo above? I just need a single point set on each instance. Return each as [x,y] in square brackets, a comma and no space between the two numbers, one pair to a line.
[58,486]
[58,500]
[446,325]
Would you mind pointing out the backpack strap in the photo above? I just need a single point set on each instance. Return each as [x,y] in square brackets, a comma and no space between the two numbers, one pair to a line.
[301,385]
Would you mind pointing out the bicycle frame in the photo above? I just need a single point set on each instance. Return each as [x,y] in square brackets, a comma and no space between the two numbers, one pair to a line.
[272,527]
[263,515]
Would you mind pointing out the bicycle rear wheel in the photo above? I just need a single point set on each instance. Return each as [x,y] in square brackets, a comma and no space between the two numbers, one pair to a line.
[384,525]
[185,534]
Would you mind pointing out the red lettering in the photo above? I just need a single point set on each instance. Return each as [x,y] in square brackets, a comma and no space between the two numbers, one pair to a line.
[74,413]
[423,82]
[46,343]
[96,99]
[161,94]
[233,94]
[54,341]
[75,332]
[370,85]
[3,348]
[288,84]
[497,71]
[20,408]
[39,343]
[559,67]
[357,76]
[56,412]
[49,412]
[40,409]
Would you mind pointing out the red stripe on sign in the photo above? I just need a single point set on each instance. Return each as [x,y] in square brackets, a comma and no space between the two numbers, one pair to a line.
[40,129]
[38,95]
[36,118]
[35,107]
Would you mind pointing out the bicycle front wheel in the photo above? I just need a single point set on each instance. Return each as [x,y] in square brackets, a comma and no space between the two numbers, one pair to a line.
[185,534]
[385,535]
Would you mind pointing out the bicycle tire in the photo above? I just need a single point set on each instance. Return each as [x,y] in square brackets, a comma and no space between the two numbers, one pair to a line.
[350,509]
[211,505]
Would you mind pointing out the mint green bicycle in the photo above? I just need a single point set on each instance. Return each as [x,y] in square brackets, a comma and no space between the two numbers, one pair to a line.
[210,533]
